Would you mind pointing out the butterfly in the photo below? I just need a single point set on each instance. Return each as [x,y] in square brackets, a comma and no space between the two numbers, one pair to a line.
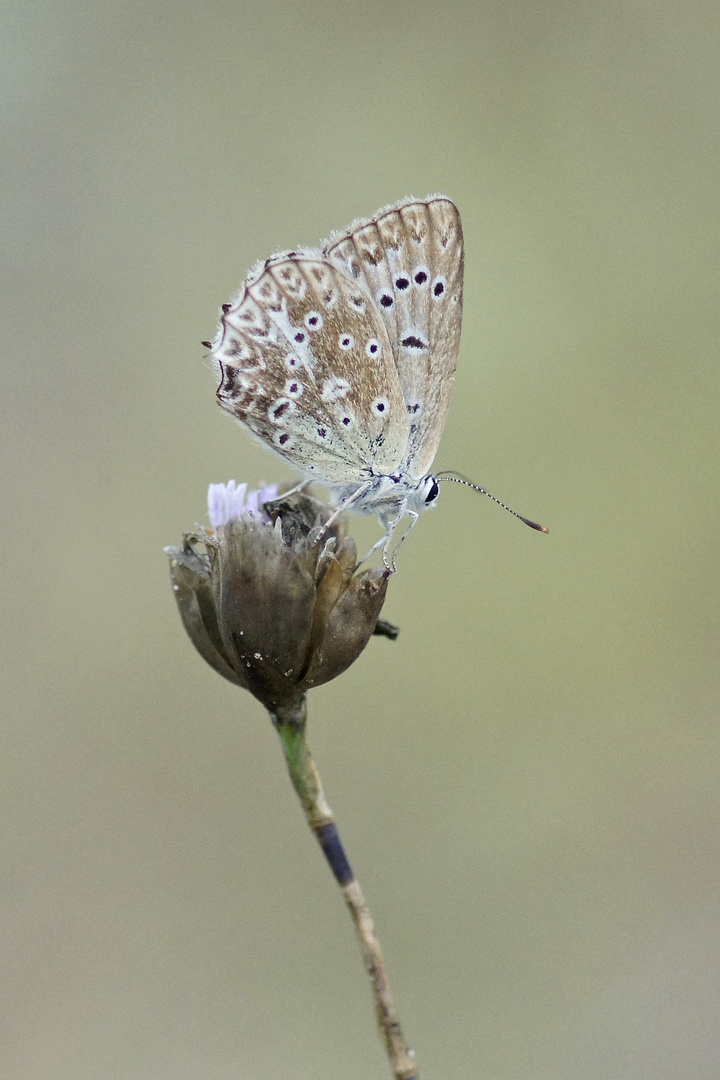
[342,358]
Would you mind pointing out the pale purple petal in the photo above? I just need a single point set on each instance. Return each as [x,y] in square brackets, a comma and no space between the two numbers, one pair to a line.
[216,505]
[252,504]
[228,502]
[235,500]
[256,499]
[225,502]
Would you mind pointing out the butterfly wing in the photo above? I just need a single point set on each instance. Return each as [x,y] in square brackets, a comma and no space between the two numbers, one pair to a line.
[410,256]
[306,363]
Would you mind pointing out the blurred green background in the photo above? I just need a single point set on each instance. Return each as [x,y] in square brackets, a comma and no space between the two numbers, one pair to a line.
[527,780]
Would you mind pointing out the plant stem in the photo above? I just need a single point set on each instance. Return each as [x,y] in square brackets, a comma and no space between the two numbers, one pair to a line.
[290,723]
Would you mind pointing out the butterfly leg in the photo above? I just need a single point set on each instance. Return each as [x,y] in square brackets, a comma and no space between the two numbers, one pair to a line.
[414,517]
[391,525]
[293,491]
[376,545]
[346,505]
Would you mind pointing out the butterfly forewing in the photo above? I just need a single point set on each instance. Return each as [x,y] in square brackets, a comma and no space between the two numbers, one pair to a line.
[307,365]
[411,258]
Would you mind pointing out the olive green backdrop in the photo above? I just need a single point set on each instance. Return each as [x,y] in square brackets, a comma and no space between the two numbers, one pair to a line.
[527,780]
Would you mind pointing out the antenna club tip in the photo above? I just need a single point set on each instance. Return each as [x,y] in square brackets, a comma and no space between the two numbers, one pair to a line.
[534,524]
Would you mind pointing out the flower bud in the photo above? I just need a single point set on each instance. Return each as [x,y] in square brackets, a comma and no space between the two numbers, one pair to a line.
[270,597]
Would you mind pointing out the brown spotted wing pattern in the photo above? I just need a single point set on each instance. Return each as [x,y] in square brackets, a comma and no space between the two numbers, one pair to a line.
[307,365]
[342,359]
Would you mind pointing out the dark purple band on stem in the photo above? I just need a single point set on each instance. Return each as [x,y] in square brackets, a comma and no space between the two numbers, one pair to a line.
[331,844]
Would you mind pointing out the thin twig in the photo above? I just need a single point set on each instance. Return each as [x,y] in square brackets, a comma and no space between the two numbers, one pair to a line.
[290,725]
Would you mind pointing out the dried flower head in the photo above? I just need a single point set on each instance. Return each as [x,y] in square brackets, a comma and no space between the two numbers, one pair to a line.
[270,597]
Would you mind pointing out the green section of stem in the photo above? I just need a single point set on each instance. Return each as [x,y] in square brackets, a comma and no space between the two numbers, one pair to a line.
[290,726]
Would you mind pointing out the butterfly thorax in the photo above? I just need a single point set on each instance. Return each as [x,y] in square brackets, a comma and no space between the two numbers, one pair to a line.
[388,495]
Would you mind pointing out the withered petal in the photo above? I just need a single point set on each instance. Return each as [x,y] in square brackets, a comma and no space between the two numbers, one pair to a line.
[349,627]
[264,597]
[193,594]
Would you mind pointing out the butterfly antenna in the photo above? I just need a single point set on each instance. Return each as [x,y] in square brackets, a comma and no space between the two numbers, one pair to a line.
[483,491]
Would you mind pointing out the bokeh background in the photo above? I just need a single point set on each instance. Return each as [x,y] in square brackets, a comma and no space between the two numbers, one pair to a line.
[527,780]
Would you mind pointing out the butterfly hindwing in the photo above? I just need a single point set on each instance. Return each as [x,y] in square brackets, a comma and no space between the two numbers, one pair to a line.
[307,365]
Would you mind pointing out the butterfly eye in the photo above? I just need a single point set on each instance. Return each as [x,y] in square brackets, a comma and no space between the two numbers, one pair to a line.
[438,288]
[372,347]
[433,492]
[314,320]
[346,341]
[380,406]
[421,275]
